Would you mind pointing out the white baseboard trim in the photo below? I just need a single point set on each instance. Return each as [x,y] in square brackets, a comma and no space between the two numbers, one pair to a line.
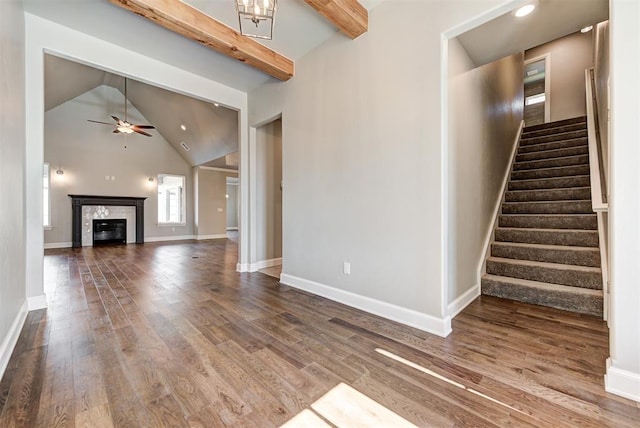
[622,382]
[53,245]
[430,324]
[463,301]
[232,228]
[242,267]
[37,302]
[10,340]
[262,264]
[220,236]
[167,238]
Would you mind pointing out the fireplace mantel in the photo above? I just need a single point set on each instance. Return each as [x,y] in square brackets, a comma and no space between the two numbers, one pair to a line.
[78,201]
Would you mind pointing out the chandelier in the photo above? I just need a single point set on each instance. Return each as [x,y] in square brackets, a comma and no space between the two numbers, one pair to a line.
[260,15]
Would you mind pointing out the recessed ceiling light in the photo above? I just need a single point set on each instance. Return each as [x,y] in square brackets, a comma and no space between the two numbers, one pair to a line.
[184,128]
[587,29]
[216,104]
[525,10]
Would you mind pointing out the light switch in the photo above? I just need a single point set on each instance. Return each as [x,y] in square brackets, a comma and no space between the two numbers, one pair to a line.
[219,210]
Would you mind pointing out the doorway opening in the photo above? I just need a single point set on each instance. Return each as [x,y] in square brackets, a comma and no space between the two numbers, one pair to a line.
[536,91]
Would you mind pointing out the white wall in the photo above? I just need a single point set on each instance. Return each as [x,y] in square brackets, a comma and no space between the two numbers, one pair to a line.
[232,206]
[363,163]
[570,56]
[485,111]
[12,186]
[623,373]
[269,194]
[601,68]
[88,152]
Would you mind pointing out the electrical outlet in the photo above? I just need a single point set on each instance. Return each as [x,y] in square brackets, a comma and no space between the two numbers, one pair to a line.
[346,268]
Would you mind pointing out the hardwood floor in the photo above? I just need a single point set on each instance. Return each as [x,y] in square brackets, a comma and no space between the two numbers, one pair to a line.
[170,335]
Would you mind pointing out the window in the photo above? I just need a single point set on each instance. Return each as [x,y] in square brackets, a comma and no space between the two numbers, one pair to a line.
[46,204]
[171,204]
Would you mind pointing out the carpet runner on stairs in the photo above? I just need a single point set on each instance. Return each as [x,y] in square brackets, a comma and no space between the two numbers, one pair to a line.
[545,250]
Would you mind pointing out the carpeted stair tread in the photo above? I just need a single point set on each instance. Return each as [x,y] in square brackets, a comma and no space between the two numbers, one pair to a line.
[575,299]
[562,171]
[575,142]
[550,183]
[555,130]
[549,221]
[553,153]
[548,207]
[556,124]
[554,273]
[554,137]
[559,194]
[552,163]
[570,255]
[568,237]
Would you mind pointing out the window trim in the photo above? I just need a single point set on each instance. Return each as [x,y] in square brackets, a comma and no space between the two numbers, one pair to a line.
[183,201]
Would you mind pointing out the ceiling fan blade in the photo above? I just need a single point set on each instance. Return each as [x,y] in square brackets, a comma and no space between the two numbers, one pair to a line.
[141,132]
[144,126]
[96,121]
[116,131]
[116,119]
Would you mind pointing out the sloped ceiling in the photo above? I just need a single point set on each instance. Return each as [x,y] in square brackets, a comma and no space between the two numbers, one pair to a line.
[550,20]
[211,131]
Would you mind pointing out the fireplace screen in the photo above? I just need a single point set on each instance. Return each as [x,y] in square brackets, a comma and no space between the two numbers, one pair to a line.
[109,231]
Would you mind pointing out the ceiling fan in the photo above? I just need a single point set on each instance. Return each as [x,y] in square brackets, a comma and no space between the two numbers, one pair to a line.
[124,126]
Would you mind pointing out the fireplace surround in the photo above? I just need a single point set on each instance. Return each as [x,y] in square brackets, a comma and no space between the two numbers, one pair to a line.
[78,201]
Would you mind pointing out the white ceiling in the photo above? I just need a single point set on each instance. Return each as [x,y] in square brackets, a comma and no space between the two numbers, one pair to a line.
[550,20]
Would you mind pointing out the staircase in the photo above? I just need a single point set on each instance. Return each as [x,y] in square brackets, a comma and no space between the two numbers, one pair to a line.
[545,249]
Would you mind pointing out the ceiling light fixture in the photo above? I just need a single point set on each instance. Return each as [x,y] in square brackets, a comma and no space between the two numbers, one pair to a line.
[184,128]
[525,10]
[586,29]
[216,104]
[261,13]
[59,171]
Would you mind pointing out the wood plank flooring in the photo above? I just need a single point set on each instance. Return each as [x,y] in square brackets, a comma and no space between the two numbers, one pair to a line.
[168,334]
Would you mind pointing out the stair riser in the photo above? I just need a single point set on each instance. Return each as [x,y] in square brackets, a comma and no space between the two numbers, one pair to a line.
[553,146]
[591,280]
[590,258]
[588,222]
[589,305]
[550,173]
[556,237]
[552,154]
[561,207]
[553,137]
[551,183]
[555,130]
[565,122]
[552,163]
[549,195]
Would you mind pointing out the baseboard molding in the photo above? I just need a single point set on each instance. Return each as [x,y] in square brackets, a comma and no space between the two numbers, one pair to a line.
[232,228]
[463,301]
[10,340]
[220,236]
[622,382]
[262,264]
[37,302]
[242,267]
[438,326]
[53,245]
[167,238]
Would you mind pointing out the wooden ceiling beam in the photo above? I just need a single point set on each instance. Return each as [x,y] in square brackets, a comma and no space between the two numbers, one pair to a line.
[189,22]
[351,18]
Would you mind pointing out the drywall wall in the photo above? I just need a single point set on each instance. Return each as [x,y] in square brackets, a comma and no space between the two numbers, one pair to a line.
[570,56]
[485,111]
[212,203]
[89,152]
[12,186]
[269,192]
[602,72]
[232,206]
[362,157]
[623,368]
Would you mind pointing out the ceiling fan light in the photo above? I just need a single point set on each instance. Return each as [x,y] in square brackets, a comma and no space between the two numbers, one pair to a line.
[125,129]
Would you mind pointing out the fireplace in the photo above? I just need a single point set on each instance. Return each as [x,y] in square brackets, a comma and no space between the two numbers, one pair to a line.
[109,231]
